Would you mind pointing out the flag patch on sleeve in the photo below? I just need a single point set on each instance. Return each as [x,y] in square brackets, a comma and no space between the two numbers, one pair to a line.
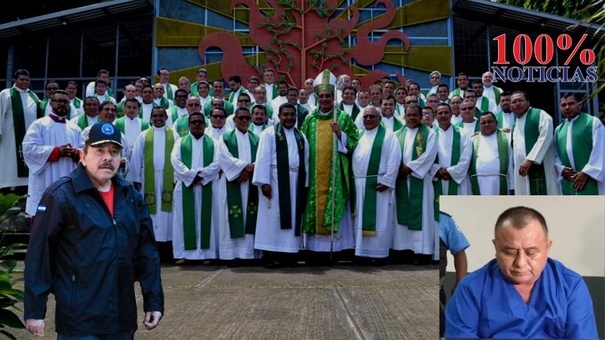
[41,208]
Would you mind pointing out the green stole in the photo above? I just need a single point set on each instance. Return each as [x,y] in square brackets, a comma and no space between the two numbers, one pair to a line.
[503,158]
[354,112]
[189,231]
[581,136]
[369,200]
[174,113]
[283,179]
[169,93]
[484,104]
[164,103]
[397,124]
[20,128]
[182,125]
[409,208]
[121,124]
[234,194]
[251,127]
[77,102]
[167,181]
[452,189]
[460,125]
[82,121]
[535,175]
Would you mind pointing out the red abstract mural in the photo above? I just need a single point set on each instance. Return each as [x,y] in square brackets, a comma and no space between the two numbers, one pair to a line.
[300,39]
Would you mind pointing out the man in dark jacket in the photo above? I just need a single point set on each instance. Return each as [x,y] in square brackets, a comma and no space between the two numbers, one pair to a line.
[92,238]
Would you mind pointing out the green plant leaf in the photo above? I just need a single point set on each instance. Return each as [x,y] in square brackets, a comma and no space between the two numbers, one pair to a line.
[10,319]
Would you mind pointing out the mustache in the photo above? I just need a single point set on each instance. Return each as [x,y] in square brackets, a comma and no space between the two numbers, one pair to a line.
[107,166]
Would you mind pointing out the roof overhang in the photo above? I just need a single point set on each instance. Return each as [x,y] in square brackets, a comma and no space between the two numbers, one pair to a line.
[506,15]
[77,16]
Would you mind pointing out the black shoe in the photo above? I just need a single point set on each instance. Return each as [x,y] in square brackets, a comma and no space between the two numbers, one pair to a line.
[271,265]
[379,262]
[233,263]
[290,264]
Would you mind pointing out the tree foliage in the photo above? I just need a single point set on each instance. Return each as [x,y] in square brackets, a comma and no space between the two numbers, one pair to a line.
[574,9]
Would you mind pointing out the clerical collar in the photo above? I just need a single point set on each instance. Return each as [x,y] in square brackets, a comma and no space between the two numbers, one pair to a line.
[132,118]
[56,118]
[321,113]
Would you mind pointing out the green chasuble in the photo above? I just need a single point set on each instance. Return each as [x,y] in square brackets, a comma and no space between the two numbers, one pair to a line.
[502,143]
[149,172]
[535,174]
[581,136]
[409,199]
[237,226]
[20,128]
[369,201]
[189,231]
[324,188]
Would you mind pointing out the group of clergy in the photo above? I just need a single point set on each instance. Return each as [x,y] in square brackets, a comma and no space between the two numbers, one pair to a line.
[235,182]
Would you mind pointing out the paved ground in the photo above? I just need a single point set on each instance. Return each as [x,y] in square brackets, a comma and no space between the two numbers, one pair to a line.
[344,301]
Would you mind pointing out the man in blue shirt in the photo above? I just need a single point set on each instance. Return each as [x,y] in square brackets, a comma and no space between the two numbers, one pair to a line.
[450,238]
[522,293]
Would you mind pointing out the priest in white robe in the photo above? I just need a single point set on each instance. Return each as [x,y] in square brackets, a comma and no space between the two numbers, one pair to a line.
[152,148]
[197,207]
[131,125]
[491,167]
[580,150]
[18,110]
[50,149]
[282,158]
[237,225]
[454,151]
[533,149]
[414,189]
[375,162]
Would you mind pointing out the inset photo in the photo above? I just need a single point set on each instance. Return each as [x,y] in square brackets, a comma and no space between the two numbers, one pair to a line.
[526,267]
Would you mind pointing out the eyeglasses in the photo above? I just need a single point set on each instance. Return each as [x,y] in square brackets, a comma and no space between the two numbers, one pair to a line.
[244,117]
[370,116]
[243,100]
[485,122]
[466,108]
[61,101]
[412,102]
[218,116]
[181,96]
[197,122]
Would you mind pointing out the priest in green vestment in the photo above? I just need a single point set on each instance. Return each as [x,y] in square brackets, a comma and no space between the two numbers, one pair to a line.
[580,150]
[533,149]
[327,221]
[18,110]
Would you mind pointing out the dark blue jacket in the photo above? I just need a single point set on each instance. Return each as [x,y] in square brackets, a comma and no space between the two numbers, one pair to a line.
[90,260]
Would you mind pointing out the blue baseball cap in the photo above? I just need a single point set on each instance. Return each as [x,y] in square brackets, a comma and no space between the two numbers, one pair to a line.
[103,132]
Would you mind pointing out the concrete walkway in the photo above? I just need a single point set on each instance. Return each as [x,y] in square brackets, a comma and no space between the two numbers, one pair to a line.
[344,301]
